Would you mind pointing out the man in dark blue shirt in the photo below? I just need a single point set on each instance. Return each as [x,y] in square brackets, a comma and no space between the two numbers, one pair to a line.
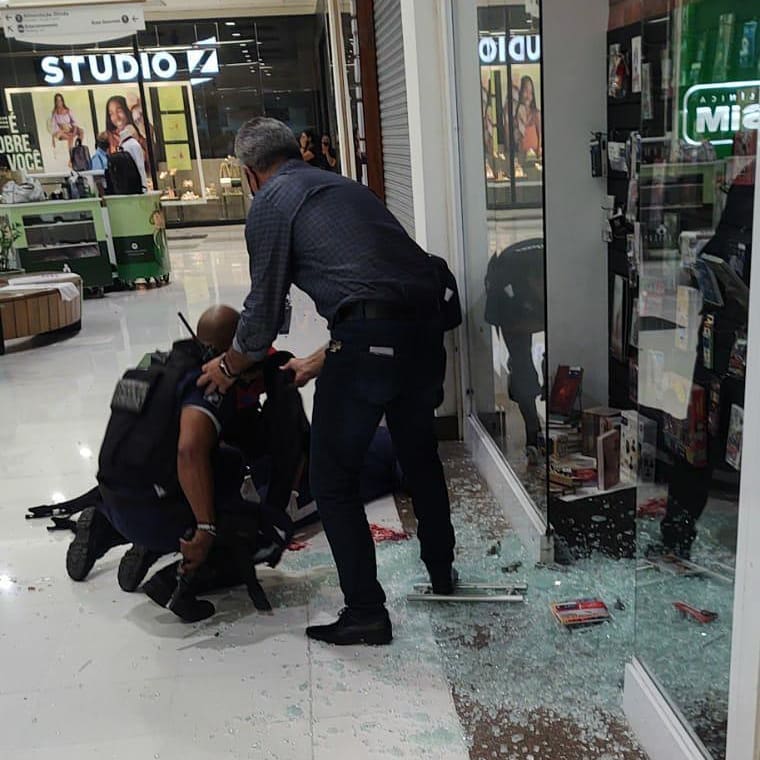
[377,288]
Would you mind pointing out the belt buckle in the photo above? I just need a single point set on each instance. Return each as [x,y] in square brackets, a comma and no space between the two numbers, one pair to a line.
[334,346]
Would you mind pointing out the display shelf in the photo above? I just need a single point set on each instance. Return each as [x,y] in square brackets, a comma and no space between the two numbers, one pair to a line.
[47,225]
[56,246]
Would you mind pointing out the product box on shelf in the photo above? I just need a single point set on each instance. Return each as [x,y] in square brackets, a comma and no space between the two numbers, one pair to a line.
[595,422]
[687,438]
[735,434]
[638,447]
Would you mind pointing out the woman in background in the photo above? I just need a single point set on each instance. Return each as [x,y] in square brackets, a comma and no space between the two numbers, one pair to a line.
[528,120]
[327,158]
[63,125]
[308,148]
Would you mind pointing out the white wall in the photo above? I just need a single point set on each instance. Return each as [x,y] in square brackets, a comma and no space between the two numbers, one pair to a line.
[427,92]
[574,49]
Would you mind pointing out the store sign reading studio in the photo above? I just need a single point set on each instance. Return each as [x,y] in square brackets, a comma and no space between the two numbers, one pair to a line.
[520,48]
[716,112]
[163,65]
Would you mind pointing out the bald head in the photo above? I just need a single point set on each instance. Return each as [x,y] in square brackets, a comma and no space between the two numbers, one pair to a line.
[217,325]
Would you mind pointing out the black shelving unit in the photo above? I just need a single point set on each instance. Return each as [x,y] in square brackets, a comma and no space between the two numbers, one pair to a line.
[624,117]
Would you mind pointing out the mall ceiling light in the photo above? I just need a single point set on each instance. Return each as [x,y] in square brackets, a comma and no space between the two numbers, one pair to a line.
[236,34]
[229,23]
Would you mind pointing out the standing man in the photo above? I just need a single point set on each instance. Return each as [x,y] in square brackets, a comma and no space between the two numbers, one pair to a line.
[376,287]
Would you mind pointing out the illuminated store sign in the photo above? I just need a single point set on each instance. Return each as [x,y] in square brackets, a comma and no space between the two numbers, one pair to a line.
[716,112]
[519,48]
[200,63]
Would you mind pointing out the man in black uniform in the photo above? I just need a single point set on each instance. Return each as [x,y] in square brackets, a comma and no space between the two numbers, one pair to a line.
[161,519]
[335,240]
[515,305]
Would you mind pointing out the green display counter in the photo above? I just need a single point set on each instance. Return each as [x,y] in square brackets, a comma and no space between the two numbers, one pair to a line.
[138,230]
[53,235]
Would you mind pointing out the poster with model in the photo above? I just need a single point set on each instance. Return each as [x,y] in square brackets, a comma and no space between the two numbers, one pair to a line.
[62,117]
[526,119]
[118,108]
[512,133]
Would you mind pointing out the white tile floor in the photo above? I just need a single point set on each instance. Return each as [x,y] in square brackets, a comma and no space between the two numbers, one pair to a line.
[87,671]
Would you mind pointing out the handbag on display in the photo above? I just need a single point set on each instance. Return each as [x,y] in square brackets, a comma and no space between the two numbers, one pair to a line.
[23,192]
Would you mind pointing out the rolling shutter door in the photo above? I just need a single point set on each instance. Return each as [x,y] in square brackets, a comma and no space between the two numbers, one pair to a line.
[394,123]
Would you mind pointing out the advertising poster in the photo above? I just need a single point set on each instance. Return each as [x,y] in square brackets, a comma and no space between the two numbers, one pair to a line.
[62,117]
[170,99]
[174,127]
[118,107]
[526,100]
[178,157]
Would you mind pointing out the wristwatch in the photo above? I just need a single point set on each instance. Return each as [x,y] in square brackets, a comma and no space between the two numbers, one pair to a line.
[226,371]
[207,528]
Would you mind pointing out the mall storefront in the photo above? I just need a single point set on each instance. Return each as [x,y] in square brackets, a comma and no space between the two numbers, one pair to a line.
[186,86]
[602,167]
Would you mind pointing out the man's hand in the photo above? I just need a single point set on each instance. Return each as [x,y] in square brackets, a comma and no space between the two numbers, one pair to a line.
[305,369]
[213,379]
[195,551]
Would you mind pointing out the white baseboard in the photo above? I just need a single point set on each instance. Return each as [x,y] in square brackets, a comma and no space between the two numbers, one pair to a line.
[658,726]
[518,508]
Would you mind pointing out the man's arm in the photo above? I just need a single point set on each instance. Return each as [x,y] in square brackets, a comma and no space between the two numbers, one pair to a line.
[268,238]
[197,440]
[267,235]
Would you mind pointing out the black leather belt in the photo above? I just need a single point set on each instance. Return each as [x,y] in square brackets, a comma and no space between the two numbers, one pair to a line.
[358,310]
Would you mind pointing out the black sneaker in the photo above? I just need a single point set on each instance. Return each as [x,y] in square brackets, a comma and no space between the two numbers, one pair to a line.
[443,580]
[167,590]
[94,537]
[353,628]
[134,567]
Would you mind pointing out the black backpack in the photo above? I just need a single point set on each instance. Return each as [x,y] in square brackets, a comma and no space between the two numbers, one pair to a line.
[122,175]
[139,448]
[80,157]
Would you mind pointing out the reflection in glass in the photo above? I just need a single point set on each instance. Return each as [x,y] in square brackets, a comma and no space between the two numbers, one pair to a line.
[689,280]
[510,314]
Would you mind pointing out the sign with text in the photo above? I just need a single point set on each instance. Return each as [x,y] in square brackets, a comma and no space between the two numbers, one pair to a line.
[196,64]
[18,147]
[715,113]
[518,48]
[73,24]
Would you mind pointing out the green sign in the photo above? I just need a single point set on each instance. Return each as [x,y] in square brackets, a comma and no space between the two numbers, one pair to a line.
[716,112]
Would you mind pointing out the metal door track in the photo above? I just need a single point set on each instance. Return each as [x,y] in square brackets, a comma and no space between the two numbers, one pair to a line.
[472,593]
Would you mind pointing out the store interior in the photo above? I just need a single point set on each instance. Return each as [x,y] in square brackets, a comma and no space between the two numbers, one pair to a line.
[639,448]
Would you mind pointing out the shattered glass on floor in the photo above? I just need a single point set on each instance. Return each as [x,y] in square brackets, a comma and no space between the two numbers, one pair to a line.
[524,687]
[670,643]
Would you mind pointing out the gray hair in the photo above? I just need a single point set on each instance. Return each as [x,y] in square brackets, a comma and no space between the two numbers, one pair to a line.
[262,143]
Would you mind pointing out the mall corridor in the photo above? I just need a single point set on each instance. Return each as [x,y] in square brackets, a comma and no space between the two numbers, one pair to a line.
[91,672]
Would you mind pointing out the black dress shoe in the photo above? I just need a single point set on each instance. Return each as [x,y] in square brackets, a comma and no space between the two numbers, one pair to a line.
[94,537]
[134,567]
[443,580]
[354,628]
